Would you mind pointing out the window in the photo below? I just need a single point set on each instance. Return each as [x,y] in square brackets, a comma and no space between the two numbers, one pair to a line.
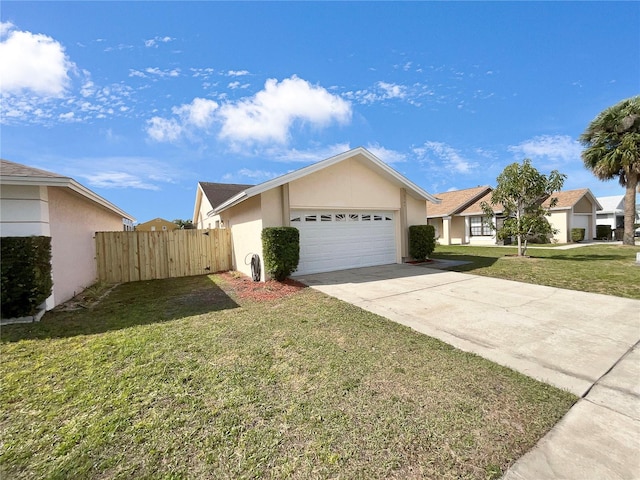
[353,217]
[479,227]
[340,217]
[310,218]
[325,217]
[295,218]
[366,217]
[164,227]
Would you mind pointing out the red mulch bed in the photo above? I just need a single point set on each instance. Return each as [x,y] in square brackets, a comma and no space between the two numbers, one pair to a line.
[245,288]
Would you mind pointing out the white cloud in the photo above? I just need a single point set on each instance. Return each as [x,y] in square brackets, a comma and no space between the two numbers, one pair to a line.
[69,116]
[382,91]
[112,179]
[153,42]
[198,113]
[305,156]
[237,73]
[164,130]
[444,157]
[32,62]
[245,175]
[269,115]
[162,73]
[386,155]
[392,90]
[549,147]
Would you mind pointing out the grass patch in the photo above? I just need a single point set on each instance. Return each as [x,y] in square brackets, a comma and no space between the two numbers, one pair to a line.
[177,378]
[606,269]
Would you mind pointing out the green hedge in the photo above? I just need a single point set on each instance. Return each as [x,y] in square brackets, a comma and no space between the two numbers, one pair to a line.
[281,250]
[422,241]
[26,274]
[603,232]
[577,234]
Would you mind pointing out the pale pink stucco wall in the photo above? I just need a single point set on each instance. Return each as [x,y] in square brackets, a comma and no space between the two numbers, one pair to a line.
[73,221]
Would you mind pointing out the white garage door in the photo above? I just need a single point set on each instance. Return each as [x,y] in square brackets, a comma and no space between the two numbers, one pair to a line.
[581,221]
[345,239]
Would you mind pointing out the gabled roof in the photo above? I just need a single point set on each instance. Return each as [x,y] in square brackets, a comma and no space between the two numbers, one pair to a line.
[218,193]
[11,169]
[362,153]
[476,209]
[612,204]
[568,198]
[12,173]
[455,201]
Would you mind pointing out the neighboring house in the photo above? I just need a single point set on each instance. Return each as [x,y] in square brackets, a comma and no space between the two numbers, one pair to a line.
[462,220]
[575,209]
[612,213]
[452,226]
[37,202]
[209,195]
[352,210]
[156,225]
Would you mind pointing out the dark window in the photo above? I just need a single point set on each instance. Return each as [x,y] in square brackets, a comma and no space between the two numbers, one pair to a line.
[479,227]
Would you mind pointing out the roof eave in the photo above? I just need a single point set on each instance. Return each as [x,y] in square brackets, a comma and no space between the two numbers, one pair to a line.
[315,167]
[65,182]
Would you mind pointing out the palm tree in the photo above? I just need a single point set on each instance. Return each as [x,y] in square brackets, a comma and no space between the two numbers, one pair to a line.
[612,149]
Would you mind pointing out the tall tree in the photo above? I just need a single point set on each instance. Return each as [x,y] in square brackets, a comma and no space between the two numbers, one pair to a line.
[521,190]
[612,149]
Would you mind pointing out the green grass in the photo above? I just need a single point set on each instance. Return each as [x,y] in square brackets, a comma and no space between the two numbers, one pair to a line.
[179,379]
[606,269]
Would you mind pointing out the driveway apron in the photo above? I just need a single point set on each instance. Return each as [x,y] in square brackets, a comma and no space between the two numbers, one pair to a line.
[581,342]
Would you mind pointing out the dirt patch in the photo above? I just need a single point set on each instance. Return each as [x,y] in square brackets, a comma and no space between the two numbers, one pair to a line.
[87,299]
[245,288]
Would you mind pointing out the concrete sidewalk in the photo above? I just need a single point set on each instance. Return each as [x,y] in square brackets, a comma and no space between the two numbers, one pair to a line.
[584,343]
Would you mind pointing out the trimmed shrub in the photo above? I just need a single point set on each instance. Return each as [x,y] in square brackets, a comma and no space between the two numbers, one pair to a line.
[603,232]
[577,234]
[281,250]
[422,241]
[25,274]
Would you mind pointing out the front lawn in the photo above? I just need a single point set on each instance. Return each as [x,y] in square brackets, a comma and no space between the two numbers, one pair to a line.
[606,269]
[185,378]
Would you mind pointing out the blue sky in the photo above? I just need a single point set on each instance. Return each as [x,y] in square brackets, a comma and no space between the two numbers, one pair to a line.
[140,101]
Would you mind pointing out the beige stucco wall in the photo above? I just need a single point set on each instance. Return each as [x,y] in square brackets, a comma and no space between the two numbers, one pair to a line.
[416,211]
[437,223]
[73,222]
[559,221]
[348,184]
[202,207]
[246,228]
[458,234]
[24,211]
[271,207]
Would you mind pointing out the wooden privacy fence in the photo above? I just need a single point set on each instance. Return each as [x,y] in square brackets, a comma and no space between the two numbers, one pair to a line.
[132,256]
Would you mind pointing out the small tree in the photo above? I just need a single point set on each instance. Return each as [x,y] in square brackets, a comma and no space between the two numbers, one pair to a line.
[184,224]
[521,190]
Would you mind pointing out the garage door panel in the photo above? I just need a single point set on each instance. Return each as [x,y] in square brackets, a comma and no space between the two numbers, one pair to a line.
[340,240]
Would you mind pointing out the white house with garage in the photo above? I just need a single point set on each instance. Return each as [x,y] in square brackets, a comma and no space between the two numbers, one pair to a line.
[352,210]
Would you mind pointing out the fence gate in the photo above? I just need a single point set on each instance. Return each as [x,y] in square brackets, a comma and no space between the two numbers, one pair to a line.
[132,256]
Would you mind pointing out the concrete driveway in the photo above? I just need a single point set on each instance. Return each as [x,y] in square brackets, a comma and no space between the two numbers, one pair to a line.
[581,342]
